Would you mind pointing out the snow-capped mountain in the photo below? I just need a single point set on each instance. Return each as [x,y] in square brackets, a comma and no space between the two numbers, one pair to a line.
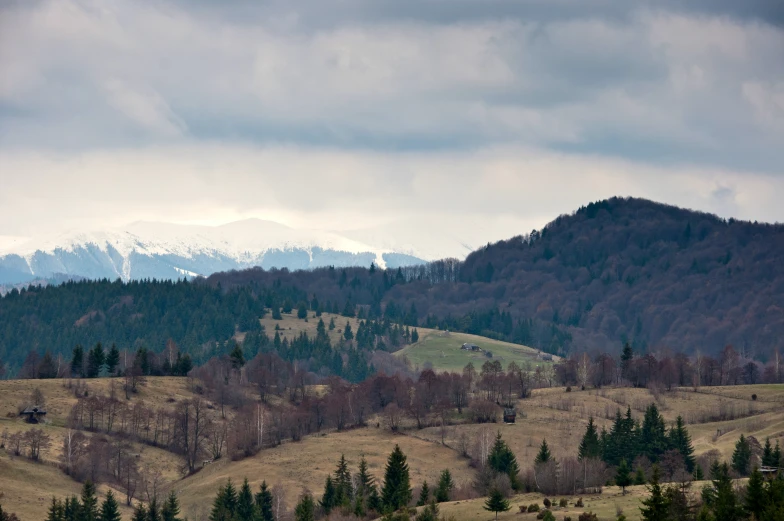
[170,251]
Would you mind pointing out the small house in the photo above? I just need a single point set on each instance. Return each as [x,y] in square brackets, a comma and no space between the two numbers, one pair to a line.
[509,415]
[470,347]
[34,413]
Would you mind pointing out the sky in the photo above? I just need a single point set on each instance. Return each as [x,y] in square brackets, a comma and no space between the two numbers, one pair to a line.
[479,118]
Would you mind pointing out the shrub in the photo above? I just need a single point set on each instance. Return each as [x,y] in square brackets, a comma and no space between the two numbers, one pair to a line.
[547,503]
[568,518]
[579,503]
[754,397]
[563,503]
[533,507]
[587,516]
[568,388]
[548,516]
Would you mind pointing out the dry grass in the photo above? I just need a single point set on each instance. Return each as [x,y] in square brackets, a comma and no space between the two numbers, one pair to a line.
[306,464]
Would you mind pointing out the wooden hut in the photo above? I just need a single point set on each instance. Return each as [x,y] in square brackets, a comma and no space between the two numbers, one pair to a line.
[509,415]
[34,413]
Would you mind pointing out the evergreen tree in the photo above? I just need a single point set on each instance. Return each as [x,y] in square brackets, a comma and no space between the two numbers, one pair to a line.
[424,495]
[496,502]
[767,455]
[343,487]
[245,507]
[756,497]
[225,504]
[276,313]
[237,357]
[680,440]
[590,446]
[741,458]
[653,436]
[724,502]
[429,513]
[396,492]
[88,510]
[639,476]
[776,458]
[544,453]
[329,499]
[112,360]
[171,508]
[56,511]
[623,478]
[678,507]
[348,335]
[502,460]
[302,310]
[445,486]
[72,508]
[110,511]
[153,512]
[95,361]
[264,503]
[139,513]
[77,361]
[655,507]
[365,481]
[305,509]
[414,336]
[699,475]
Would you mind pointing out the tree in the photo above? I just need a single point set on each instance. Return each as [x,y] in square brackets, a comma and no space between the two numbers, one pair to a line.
[680,440]
[756,497]
[496,502]
[741,458]
[590,446]
[264,503]
[343,487]
[623,478]
[544,453]
[414,336]
[237,357]
[348,335]
[153,512]
[502,460]
[225,504]
[112,360]
[305,509]
[302,310]
[89,508]
[56,511]
[95,361]
[655,507]
[445,486]
[329,498]
[396,492]
[424,495]
[77,361]
[171,508]
[245,507]
[139,513]
[109,508]
[767,455]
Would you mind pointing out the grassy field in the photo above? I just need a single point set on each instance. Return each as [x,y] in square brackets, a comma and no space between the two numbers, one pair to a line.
[442,350]
[715,417]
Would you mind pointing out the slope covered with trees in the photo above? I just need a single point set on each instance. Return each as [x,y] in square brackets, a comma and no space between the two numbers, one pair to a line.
[616,271]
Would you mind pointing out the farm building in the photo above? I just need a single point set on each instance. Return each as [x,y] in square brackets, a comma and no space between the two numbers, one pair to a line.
[470,347]
[34,413]
[509,415]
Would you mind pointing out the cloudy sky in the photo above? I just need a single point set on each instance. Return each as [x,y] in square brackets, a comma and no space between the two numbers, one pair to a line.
[484,118]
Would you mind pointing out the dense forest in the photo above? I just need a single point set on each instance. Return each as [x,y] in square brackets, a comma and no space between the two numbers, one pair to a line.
[615,271]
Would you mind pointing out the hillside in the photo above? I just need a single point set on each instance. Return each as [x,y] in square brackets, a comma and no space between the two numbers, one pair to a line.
[715,418]
[615,271]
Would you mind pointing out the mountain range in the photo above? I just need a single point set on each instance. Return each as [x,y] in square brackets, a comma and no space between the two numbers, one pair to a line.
[151,250]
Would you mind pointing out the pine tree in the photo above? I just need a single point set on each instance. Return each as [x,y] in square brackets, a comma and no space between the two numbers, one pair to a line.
[237,357]
[329,499]
[655,507]
[56,511]
[502,460]
[396,492]
[109,509]
[72,509]
[777,459]
[414,336]
[153,512]
[756,498]
[139,513]
[741,458]
[343,488]
[496,502]
[623,478]
[680,440]
[171,508]
[723,502]
[590,446]
[639,477]
[77,361]
[264,503]
[245,507]
[365,481]
[306,508]
[424,495]
[112,359]
[302,310]
[95,361]
[445,486]
[348,335]
[544,453]
[225,504]
[88,510]
[767,455]
[699,475]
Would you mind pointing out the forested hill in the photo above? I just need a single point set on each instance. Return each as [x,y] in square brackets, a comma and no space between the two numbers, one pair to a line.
[614,271]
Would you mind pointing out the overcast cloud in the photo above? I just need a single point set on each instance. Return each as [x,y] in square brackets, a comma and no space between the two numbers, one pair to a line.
[482,117]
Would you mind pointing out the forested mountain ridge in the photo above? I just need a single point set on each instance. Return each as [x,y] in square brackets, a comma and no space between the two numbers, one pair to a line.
[614,271]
